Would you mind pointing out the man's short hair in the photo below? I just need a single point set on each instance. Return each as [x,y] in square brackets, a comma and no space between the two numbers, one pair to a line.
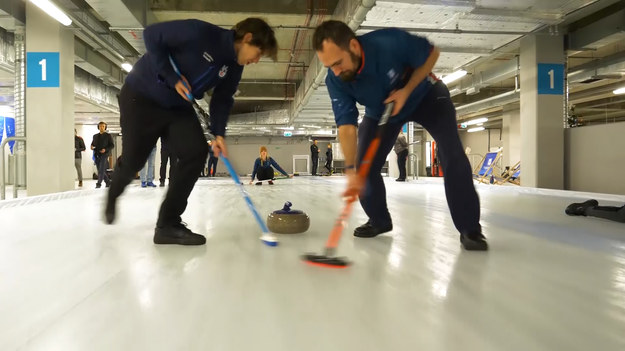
[262,35]
[336,31]
[105,125]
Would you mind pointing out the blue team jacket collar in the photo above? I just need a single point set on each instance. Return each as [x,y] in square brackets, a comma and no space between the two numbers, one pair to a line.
[364,53]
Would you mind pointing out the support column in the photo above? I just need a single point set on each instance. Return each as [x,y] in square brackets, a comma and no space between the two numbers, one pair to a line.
[49,104]
[542,110]
[512,136]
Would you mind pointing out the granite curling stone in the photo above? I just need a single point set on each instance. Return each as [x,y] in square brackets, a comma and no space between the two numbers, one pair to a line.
[288,221]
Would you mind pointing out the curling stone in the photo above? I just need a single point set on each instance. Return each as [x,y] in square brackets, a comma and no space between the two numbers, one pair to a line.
[288,221]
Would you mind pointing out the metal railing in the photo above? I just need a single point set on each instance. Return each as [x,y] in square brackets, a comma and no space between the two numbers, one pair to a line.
[415,165]
[15,168]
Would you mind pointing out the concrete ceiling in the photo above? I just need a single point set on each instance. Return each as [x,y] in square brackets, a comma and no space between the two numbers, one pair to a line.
[476,35]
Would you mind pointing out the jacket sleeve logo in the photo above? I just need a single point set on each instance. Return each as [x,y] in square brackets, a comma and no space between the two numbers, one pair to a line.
[223,71]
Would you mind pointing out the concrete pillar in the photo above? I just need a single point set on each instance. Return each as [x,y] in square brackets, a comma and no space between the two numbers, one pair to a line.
[512,136]
[49,110]
[542,111]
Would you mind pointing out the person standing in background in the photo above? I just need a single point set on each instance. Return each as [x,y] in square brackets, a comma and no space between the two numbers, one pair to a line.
[102,145]
[314,155]
[328,164]
[212,161]
[147,172]
[401,149]
[79,147]
[166,155]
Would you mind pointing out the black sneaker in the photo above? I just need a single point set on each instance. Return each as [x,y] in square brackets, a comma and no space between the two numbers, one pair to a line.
[270,182]
[400,179]
[177,234]
[162,184]
[475,241]
[98,185]
[579,209]
[368,231]
[259,183]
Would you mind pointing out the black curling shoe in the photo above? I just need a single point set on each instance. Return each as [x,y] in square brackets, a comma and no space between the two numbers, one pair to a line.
[474,241]
[177,234]
[579,209]
[368,231]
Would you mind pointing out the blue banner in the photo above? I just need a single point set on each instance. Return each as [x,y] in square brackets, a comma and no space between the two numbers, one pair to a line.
[1,128]
[9,122]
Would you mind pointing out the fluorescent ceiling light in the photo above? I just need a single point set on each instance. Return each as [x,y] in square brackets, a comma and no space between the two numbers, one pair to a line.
[619,91]
[285,128]
[476,129]
[126,67]
[309,126]
[454,76]
[53,11]
[477,121]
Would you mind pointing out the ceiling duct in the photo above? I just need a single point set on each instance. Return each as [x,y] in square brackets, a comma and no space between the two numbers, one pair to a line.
[497,100]
[351,12]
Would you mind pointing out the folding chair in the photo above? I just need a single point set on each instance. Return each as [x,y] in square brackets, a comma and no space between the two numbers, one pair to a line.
[511,175]
[487,166]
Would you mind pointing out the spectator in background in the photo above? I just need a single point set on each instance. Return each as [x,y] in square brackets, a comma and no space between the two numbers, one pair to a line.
[328,164]
[212,161]
[314,155]
[147,172]
[102,145]
[401,149]
[79,147]
[166,155]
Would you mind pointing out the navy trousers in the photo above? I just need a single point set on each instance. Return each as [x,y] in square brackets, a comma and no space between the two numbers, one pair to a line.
[436,113]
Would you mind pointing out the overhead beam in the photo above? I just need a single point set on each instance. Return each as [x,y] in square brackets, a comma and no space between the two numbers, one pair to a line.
[592,35]
[16,9]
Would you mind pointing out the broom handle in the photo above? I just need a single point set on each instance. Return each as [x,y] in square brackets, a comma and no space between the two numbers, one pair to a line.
[363,172]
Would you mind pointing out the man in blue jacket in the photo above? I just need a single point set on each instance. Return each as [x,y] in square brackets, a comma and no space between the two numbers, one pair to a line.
[153,103]
[377,68]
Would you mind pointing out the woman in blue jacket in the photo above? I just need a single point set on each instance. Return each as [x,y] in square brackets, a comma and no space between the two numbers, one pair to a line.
[262,168]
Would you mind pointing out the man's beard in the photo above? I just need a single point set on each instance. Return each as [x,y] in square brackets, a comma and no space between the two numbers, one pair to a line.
[349,76]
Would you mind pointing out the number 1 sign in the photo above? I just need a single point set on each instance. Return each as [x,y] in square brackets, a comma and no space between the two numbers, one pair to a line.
[550,78]
[42,69]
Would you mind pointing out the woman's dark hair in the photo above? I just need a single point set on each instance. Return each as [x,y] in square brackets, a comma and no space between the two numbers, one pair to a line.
[336,31]
[262,35]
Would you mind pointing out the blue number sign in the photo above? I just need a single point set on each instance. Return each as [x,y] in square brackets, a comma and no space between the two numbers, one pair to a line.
[42,69]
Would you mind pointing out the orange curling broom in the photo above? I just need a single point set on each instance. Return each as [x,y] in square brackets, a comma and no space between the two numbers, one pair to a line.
[327,259]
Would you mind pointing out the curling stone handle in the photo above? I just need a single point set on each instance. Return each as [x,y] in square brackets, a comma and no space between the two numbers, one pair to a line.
[287,206]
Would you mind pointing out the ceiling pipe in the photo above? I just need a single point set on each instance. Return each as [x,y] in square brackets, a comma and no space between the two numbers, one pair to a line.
[316,71]
[497,100]
[448,31]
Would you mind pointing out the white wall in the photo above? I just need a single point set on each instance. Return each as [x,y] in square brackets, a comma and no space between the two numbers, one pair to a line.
[479,143]
[243,151]
[594,160]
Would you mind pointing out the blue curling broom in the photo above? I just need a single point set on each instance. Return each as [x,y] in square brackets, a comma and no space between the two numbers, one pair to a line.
[267,238]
